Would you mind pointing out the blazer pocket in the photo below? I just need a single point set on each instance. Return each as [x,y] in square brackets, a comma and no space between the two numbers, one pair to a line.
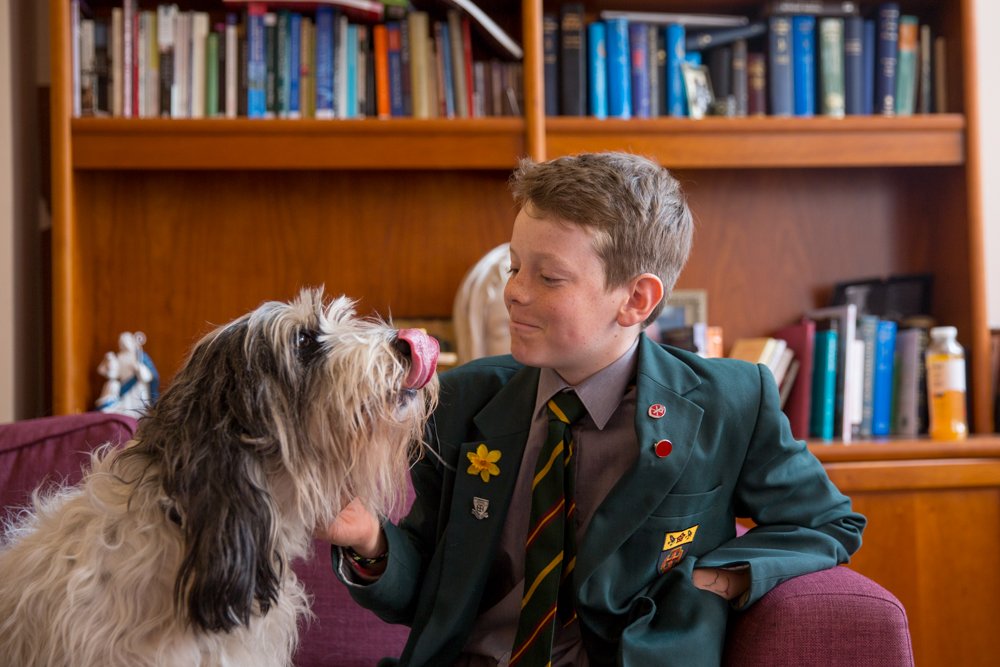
[677,505]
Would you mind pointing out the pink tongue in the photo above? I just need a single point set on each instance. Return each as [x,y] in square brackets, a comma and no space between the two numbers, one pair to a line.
[424,352]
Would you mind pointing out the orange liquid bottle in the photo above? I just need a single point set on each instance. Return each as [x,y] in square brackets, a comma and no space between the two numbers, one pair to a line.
[946,385]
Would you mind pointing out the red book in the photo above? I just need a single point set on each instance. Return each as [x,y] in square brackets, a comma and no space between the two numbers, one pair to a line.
[757,85]
[467,47]
[801,339]
[383,107]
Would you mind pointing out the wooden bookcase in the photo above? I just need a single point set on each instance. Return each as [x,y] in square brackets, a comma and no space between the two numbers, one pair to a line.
[170,226]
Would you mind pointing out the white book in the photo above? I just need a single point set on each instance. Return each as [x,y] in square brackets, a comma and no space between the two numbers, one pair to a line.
[142,54]
[87,57]
[117,62]
[75,55]
[199,35]
[128,95]
[182,66]
[232,70]
[478,95]
[857,393]
[342,68]
[458,65]
[781,368]
[847,317]
[152,65]
[779,349]
[908,396]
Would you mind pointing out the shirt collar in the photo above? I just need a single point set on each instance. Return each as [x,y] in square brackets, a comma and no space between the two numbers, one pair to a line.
[601,393]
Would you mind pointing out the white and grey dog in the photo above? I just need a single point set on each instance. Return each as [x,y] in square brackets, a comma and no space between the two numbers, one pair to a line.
[175,549]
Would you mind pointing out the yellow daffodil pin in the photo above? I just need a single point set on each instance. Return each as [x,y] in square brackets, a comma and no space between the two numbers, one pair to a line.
[484,462]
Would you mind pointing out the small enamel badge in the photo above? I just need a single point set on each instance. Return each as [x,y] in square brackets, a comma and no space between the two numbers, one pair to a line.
[657,411]
[479,507]
[675,547]
[663,448]
[484,462]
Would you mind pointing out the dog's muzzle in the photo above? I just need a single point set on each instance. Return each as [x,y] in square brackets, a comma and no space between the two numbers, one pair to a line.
[423,352]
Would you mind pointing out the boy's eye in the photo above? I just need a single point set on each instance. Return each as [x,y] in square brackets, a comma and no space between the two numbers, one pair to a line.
[549,280]
[511,271]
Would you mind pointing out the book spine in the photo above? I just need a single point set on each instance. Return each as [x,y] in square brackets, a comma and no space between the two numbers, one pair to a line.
[479,81]
[382,92]
[324,62]
[925,70]
[676,53]
[467,60]
[597,60]
[419,72]
[824,385]
[153,68]
[440,79]
[940,75]
[741,93]
[117,62]
[166,16]
[340,67]
[572,59]
[907,408]
[307,88]
[271,63]
[654,80]
[906,70]
[212,75]
[395,70]
[619,78]
[404,67]
[447,71]
[497,80]
[138,63]
[257,90]
[366,73]
[128,18]
[868,47]
[283,79]
[780,66]
[885,350]
[457,69]
[804,64]
[182,66]
[757,84]
[102,65]
[294,64]
[720,68]
[854,69]
[638,39]
[868,334]
[661,68]
[832,66]
[886,58]
[75,57]
[243,67]
[141,64]
[550,45]
[352,71]
[223,68]
[199,33]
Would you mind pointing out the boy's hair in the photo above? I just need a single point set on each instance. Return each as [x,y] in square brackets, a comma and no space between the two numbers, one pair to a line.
[640,216]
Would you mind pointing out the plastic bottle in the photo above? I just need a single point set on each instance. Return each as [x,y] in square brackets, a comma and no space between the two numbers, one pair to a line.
[946,385]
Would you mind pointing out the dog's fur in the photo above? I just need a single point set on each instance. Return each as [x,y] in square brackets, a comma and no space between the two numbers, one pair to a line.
[175,550]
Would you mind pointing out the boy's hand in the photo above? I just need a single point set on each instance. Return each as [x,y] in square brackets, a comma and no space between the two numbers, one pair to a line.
[357,528]
[729,584]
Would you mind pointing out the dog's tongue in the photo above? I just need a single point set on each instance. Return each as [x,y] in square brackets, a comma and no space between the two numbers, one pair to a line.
[424,352]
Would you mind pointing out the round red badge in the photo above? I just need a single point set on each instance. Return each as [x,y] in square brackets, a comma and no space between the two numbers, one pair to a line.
[663,448]
[657,411]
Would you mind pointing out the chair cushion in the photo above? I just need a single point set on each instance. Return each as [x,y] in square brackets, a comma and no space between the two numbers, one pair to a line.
[831,618]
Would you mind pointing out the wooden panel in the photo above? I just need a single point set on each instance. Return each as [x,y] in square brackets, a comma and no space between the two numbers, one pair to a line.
[769,142]
[851,477]
[171,252]
[902,448]
[241,143]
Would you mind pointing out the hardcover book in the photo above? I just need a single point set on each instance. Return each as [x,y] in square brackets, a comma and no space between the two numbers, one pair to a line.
[854,69]
[404,67]
[868,334]
[740,85]
[821,423]
[117,49]
[283,78]
[457,70]
[721,70]
[906,72]
[676,53]
[638,36]
[868,63]
[832,66]
[167,14]
[661,68]
[324,63]
[907,400]
[844,319]
[257,76]
[420,66]
[572,60]
[381,72]
[550,44]
[756,84]
[924,105]
[655,95]
[780,66]
[804,64]
[597,61]
[885,350]
[619,73]
[886,58]
[395,48]
[800,338]
[271,59]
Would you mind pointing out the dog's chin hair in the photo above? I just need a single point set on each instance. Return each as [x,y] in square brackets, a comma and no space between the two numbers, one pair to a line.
[176,549]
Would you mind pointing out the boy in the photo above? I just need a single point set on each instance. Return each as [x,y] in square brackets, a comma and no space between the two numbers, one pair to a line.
[577,505]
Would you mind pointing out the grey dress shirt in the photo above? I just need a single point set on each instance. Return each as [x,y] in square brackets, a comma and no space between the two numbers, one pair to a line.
[605,447]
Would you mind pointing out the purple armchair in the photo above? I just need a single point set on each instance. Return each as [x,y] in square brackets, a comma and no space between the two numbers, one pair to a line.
[836,617]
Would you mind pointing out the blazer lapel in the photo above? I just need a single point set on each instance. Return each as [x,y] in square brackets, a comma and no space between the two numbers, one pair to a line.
[470,543]
[662,380]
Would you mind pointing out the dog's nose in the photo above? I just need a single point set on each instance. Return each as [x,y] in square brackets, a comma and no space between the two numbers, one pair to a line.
[423,352]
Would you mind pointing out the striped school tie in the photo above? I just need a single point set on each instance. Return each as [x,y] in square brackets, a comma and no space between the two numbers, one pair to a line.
[550,552]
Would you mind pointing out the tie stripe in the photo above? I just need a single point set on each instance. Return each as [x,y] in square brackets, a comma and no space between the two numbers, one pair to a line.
[542,624]
[546,520]
[548,466]
[558,412]
[541,577]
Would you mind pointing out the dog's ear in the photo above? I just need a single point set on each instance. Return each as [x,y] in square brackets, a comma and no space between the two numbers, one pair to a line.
[210,433]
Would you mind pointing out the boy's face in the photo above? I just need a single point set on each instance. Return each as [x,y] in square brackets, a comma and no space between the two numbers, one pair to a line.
[561,316]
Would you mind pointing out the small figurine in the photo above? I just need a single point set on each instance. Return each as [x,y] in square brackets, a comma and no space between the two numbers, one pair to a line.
[482,325]
[133,383]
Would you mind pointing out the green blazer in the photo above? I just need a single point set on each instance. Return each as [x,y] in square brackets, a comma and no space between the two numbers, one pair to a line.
[733,455]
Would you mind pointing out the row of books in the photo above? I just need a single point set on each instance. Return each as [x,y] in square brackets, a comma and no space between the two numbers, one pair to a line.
[832,62]
[264,64]
[846,376]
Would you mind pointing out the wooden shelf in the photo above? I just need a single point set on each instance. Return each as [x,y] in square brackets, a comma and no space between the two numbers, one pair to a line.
[903,448]
[405,143]
[869,141]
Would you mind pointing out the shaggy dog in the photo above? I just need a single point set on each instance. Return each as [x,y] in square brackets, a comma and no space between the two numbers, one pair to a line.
[175,549]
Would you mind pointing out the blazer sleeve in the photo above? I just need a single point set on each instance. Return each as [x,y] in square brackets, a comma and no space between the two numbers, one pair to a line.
[804,524]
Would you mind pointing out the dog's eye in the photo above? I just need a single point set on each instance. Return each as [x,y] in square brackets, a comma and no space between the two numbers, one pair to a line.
[305,345]
[304,340]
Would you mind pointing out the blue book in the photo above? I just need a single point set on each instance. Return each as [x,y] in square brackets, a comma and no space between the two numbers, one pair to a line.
[597,70]
[885,353]
[324,62]
[886,58]
[638,38]
[352,71]
[449,83]
[779,68]
[804,64]
[395,69]
[868,333]
[256,64]
[676,99]
[550,44]
[868,63]
[619,71]
[693,58]
[294,43]
[824,389]
[854,68]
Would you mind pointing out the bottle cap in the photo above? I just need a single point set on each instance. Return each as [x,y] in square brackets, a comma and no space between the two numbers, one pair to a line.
[943,333]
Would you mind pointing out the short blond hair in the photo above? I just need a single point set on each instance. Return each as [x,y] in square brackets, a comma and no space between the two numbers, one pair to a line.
[640,216]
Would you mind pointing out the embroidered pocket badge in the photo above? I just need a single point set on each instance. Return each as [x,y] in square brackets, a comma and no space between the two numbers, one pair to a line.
[484,462]
[675,547]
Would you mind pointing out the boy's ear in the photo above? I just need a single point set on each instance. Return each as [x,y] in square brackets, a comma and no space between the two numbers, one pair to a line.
[644,294]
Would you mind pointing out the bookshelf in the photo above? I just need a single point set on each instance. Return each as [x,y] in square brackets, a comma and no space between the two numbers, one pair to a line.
[166,226]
